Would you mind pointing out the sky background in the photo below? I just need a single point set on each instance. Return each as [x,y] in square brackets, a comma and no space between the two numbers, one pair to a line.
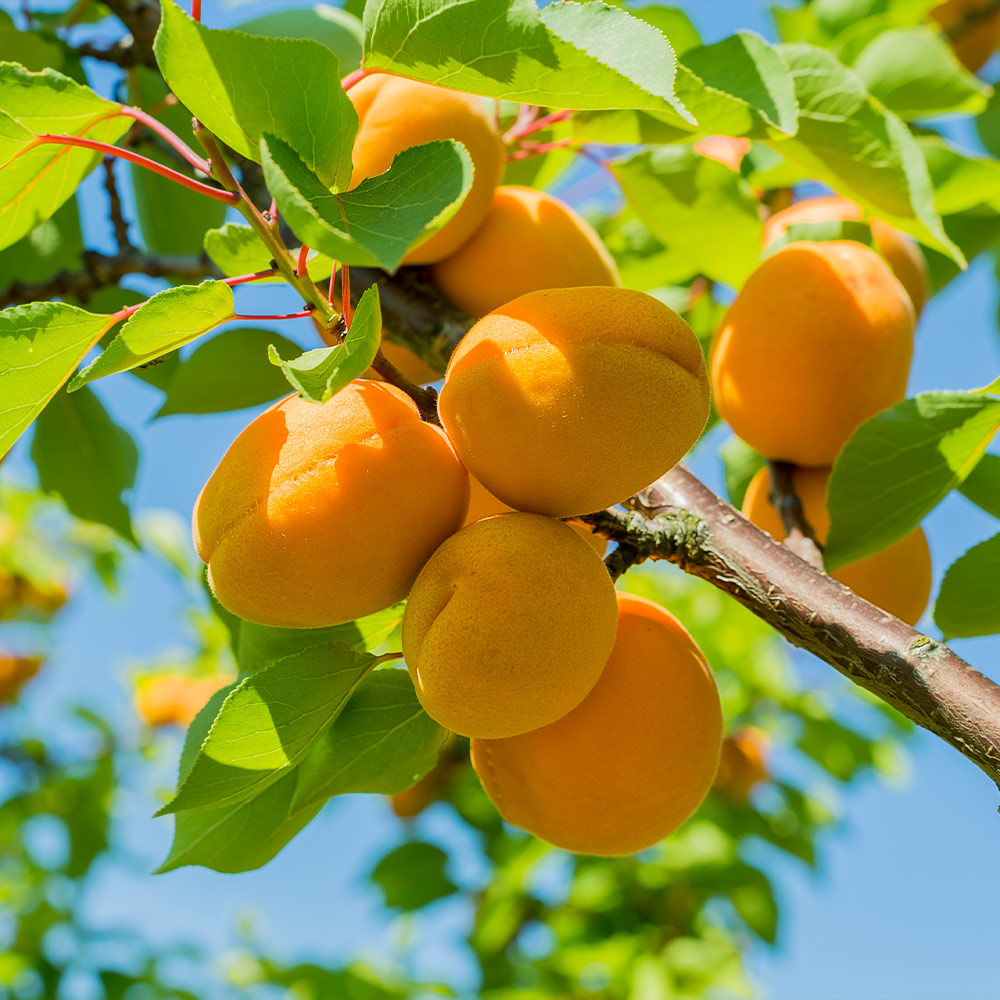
[904,905]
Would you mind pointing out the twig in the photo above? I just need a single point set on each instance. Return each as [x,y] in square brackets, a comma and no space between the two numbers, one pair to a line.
[423,395]
[115,207]
[142,19]
[799,535]
[624,557]
[123,54]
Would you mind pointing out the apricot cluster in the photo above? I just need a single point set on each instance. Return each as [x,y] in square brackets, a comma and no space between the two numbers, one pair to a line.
[818,340]
[513,633]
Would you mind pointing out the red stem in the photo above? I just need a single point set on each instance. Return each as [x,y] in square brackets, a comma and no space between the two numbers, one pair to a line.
[298,315]
[230,198]
[526,114]
[356,77]
[537,148]
[543,123]
[300,267]
[195,10]
[345,294]
[242,279]
[333,275]
[196,161]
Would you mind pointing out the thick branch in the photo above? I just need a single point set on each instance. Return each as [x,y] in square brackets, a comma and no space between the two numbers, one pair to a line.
[101,270]
[681,520]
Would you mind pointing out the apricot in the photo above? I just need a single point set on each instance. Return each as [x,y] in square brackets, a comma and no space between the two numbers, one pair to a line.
[529,240]
[174,698]
[322,513]
[569,400]
[16,671]
[482,503]
[897,579]
[742,764]
[977,36]
[396,113]
[632,761]
[508,626]
[726,149]
[818,340]
[900,252]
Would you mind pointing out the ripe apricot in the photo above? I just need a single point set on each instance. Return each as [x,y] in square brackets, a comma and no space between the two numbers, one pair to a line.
[396,113]
[508,626]
[897,579]
[529,240]
[818,340]
[482,503]
[632,761]
[414,368]
[322,513]
[569,400]
[175,698]
[901,253]
[16,671]
[742,764]
[978,30]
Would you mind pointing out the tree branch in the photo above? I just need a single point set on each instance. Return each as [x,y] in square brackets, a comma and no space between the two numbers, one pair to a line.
[681,520]
[799,535]
[141,19]
[101,270]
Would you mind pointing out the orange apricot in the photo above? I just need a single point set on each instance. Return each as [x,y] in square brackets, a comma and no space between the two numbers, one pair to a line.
[508,626]
[414,368]
[632,761]
[529,240]
[818,340]
[174,698]
[15,672]
[977,29]
[902,254]
[898,579]
[301,523]
[569,400]
[482,503]
[396,113]
[727,149]
[742,764]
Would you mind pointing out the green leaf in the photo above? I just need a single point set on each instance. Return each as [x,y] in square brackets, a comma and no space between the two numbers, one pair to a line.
[698,208]
[52,246]
[34,185]
[383,742]
[319,374]
[204,383]
[40,344]
[86,458]
[960,181]
[413,875]
[567,55]
[982,485]
[262,644]
[899,465]
[167,320]
[242,86]
[740,464]
[915,74]
[851,142]
[338,30]
[969,601]
[380,219]
[236,249]
[237,837]
[268,724]
[172,219]
[834,229]
[675,25]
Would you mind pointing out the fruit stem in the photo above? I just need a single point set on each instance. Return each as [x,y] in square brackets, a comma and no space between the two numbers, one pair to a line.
[300,267]
[528,149]
[196,161]
[356,77]
[196,10]
[345,288]
[255,316]
[242,279]
[531,127]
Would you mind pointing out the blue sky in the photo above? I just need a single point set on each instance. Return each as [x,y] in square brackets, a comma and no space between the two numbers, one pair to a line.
[904,906]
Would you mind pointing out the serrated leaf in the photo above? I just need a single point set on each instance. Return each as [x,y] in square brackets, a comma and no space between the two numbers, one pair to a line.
[848,140]
[236,249]
[166,321]
[242,86]
[338,30]
[238,837]
[268,724]
[87,459]
[40,345]
[982,485]
[262,644]
[969,601]
[318,375]
[204,383]
[38,182]
[898,465]
[413,875]
[698,208]
[567,55]
[915,73]
[383,742]
[378,221]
